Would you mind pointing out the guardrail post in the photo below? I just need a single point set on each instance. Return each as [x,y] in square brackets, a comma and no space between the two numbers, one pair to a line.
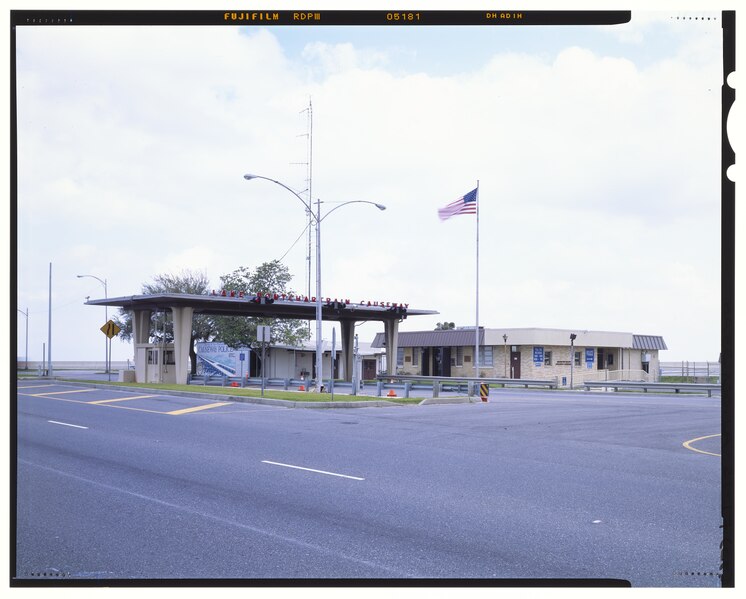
[436,388]
[407,387]
[379,388]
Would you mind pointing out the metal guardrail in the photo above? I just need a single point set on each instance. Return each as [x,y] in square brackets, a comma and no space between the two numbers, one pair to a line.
[459,384]
[676,387]
[237,381]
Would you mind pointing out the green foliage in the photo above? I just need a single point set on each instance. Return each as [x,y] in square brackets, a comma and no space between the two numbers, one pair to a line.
[270,277]
[445,326]
[161,324]
[234,331]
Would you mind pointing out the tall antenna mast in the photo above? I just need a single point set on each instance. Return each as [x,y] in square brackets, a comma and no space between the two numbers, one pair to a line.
[309,190]
[310,187]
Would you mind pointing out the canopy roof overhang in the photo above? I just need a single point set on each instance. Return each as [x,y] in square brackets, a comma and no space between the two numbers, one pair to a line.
[298,308]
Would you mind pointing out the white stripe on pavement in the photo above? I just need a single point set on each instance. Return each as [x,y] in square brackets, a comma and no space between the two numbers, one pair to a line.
[66,424]
[311,470]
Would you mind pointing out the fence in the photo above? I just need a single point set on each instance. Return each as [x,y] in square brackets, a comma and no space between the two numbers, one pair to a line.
[693,370]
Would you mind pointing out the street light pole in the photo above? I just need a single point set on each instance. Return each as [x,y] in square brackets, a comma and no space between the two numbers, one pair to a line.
[318,218]
[25,366]
[505,354]
[106,312]
[573,336]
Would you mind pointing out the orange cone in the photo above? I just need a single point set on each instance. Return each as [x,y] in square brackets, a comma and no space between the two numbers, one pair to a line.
[301,388]
[391,393]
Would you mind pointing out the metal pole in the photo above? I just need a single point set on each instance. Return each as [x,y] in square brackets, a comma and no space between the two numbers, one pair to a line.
[264,345]
[333,355]
[319,355]
[49,349]
[505,355]
[355,373]
[572,359]
[476,328]
[107,341]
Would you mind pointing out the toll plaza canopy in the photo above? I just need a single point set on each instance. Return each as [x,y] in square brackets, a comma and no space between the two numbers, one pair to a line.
[184,306]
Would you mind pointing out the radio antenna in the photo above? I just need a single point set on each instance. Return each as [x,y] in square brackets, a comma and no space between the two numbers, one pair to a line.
[309,189]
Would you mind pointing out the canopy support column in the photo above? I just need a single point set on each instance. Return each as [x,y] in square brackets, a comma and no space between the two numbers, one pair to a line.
[391,329]
[348,339]
[182,339]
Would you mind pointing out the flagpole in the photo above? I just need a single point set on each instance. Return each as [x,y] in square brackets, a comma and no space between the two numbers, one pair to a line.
[476,328]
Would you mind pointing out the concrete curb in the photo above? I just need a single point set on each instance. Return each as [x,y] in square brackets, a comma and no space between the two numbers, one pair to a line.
[282,403]
[447,400]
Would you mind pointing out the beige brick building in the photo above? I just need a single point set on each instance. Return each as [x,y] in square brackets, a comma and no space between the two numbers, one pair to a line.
[529,353]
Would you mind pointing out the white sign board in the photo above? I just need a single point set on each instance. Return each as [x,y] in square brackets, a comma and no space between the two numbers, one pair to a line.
[262,334]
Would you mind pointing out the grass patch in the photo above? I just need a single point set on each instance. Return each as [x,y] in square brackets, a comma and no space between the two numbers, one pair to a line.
[309,396]
[713,380]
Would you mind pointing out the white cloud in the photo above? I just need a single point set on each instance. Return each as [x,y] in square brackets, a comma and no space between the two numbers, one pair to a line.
[134,141]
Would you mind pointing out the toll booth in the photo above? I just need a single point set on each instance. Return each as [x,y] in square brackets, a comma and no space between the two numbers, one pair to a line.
[155,363]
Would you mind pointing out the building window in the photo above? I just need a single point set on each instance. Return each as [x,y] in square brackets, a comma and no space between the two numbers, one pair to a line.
[168,357]
[152,356]
[415,356]
[577,358]
[485,356]
[400,356]
[459,356]
[609,359]
[547,358]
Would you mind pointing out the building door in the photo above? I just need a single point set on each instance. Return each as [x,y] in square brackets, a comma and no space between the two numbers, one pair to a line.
[153,366]
[446,362]
[425,361]
[515,364]
[441,361]
[369,370]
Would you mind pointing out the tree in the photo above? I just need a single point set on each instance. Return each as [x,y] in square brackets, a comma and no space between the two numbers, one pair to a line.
[162,327]
[269,277]
[445,326]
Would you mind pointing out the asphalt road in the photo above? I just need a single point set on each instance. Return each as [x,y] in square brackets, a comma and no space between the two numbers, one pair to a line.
[113,485]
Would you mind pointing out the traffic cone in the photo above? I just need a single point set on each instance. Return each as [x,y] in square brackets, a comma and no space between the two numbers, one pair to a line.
[301,388]
[391,393]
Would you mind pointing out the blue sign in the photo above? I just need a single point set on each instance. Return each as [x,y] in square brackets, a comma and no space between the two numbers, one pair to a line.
[589,357]
[242,356]
[538,355]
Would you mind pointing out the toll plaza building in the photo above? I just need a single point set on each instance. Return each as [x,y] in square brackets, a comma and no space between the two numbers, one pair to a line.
[169,362]
[529,353]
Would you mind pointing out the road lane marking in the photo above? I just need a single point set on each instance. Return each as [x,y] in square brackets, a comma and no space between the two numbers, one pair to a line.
[179,507]
[311,470]
[100,401]
[67,424]
[687,444]
[88,403]
[62,392]
[197,408]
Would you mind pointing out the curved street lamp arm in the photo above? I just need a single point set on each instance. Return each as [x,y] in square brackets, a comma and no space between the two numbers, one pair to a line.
[102,281]
[306,204]
[379,206]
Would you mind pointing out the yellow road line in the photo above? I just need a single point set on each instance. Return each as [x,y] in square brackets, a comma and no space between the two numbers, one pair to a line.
[197,408]
[120,399]
[63,392]
[688,446]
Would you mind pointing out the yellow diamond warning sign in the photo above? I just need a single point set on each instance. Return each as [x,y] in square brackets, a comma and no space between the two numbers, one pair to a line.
[110,329]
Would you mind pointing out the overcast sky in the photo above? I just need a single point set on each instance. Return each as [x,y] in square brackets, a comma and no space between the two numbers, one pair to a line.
[596,149]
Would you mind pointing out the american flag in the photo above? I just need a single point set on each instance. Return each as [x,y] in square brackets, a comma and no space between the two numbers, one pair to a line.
[464,205]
